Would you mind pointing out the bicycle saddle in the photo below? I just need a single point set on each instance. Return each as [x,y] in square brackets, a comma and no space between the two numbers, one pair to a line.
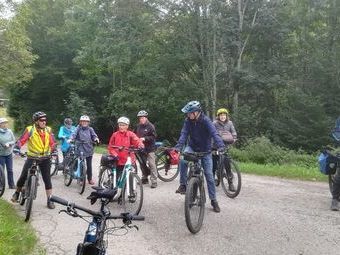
[101,193]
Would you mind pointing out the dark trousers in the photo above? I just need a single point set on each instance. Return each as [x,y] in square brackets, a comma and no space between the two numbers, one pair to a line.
[215,159]
[8,161]
[45,170]
[336,184]
[89,167]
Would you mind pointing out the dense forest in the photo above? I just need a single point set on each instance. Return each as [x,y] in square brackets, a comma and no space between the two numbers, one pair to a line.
[275,64]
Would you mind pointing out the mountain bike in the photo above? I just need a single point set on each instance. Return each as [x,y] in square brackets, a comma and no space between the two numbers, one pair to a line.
[29,190]
[55,166]
[129,186]
[195,197]
[75,167]
[228,174]
[167,160]
[94,241]
[2,180]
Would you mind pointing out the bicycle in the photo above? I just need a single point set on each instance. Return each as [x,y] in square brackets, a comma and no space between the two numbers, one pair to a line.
[29,190]
[167,160]
[228,173]
[55,165]
[75,167]
[94,243]
[2,180]
[195,197]
[129,185]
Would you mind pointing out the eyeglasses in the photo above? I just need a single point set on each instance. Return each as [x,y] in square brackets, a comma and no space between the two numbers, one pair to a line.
[42,120]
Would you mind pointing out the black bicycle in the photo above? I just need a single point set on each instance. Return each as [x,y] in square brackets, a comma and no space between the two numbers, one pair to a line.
[94,242]
[228,174]
[2,181]
[167,169]
[55,166]
[195,198]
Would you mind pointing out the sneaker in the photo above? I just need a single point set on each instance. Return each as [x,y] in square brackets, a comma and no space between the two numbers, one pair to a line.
[15,197]
[335,205]
[181,189]
[50,205]
[215,206]
[154,185]
[145,181]
[11,186]
[232,187]
[91,182]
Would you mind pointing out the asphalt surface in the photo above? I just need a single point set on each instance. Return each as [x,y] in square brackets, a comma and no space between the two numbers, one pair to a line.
[270,216]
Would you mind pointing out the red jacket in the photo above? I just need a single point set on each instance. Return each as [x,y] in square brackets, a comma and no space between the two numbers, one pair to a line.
[126,139]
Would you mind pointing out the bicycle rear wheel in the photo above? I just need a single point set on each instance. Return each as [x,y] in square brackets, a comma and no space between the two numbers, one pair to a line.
[165,171]
[105,178]
[2,181]
[67,172]
[231,178]
[81,181]
[54,165]
[32,182]
[194,205]
[132,197]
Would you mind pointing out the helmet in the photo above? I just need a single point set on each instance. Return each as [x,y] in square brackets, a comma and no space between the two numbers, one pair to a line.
[84,118]
[142,113]
[222,110]
[3,120]
[124,120]
[68,121]
[192,106]
[38,115]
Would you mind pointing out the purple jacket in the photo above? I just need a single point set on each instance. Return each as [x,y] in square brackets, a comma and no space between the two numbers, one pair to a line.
[84,134]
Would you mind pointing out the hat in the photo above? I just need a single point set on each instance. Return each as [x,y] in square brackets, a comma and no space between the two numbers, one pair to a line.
[3,120]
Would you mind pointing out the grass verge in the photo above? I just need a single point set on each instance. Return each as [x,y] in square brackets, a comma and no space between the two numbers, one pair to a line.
[16,236]
[283,171]
[101,149]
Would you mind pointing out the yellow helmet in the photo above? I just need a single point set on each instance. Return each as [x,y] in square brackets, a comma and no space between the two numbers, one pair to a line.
[222,110]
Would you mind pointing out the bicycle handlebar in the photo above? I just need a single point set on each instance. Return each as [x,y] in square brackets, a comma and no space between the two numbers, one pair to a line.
[126,148]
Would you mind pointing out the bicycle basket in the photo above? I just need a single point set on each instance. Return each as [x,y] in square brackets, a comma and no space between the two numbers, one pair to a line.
[173,157]
[90,249]
[327,163]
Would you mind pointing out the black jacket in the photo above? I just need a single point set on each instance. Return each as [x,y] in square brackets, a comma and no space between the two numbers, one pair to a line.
[149,133]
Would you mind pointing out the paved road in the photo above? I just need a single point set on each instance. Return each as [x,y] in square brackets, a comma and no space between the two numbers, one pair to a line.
[270,216]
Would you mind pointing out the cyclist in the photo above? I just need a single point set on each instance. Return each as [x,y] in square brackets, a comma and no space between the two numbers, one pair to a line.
[199,130]
[85,135]
[64,135]
[40,142]
[336,180]
[126,138]
[7,140]
[226,130]
[145,130]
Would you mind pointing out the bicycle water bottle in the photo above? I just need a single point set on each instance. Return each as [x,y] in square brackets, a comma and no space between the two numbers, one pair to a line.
[91,233]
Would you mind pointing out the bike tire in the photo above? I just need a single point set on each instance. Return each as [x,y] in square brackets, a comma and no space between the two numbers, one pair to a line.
[32,182]
[22,197]
[54,165]
[224,180]
[67,172]
[2,181]
[133,203]
[331,182]
[165,172]
[194,196]
[105,179]
[82,180]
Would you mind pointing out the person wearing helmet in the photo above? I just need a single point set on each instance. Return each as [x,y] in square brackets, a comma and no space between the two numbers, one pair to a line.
[196,135]
[126,138]
[7,141]
[226,130]
[40,142]
[146,131]
[84,136]
[65,132]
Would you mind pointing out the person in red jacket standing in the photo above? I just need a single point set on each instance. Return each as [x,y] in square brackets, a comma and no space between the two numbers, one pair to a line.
[126,138]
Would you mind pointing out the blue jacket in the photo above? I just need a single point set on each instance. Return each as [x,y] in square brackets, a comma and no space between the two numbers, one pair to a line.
[199,134]
[65,134]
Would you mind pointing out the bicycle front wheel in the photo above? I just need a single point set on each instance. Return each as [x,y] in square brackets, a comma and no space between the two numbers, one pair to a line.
[2,181]
[165,171]
[82,179]
[231,179]
[105,178]
[194,205]
[132,196]
[67,172]
[54,165]
[32,182]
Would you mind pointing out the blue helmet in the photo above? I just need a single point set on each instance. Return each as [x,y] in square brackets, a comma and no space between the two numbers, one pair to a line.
[192,106]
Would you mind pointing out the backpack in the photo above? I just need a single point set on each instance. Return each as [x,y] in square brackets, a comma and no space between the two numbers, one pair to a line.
[327,163]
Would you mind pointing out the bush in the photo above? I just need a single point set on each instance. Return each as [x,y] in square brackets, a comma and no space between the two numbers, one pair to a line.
[261,150]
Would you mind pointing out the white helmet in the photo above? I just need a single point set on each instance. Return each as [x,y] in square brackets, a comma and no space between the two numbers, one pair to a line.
[124,120]
[84,118]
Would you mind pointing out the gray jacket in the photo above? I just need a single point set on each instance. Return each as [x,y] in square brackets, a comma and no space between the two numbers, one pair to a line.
[6,136]
[84,138]
[224,129]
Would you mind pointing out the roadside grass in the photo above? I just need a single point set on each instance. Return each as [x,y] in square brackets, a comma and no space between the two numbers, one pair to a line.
[3,114]
[101,149]
[283,171]
[16,236]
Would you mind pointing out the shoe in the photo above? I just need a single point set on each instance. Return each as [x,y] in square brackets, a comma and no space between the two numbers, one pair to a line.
[11,186]
[154,185]
[232,187]
[335,205]
[181,189]
[145,181]
[50,205]
[91,182]
[215,206]
[15,197]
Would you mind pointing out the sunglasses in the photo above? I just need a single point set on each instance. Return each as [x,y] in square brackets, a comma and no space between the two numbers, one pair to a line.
[42,120]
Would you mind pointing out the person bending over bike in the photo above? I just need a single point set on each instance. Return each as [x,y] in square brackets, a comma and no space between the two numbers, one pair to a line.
[84,137]
[199,130]
[226,130]
[40,142]
[125,138]
[147,133]
[65,132]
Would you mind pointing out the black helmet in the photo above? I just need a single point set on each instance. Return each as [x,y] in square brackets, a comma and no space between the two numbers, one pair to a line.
[68,121]
[38,115]
[142,113]
[192,106]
